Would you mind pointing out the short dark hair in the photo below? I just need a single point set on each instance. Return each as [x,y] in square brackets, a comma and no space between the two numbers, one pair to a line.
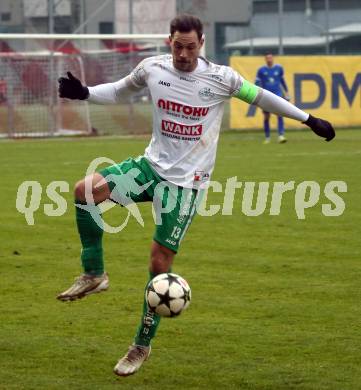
[186,23]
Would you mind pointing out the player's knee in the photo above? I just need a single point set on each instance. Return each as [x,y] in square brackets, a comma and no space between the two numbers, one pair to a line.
[92,189]
[79,190]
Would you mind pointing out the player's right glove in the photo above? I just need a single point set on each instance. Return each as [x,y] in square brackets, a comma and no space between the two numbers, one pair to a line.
[321,127]
[72,88]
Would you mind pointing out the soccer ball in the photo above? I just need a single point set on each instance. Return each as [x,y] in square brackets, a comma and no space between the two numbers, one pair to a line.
[168,295]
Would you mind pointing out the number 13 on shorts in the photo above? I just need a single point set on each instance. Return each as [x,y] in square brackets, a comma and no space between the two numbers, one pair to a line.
[176,232]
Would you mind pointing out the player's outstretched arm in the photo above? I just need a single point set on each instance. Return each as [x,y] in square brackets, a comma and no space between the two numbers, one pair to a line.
[70,87]
[274,104]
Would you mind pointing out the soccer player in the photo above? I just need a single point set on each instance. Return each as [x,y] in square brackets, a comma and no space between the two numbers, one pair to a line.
[188,94]
[270,77]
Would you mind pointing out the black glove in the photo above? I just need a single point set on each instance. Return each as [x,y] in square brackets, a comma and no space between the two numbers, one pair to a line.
[321,127]
[72,88]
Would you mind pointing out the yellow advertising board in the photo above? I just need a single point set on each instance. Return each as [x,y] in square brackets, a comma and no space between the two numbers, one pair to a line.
[325,86]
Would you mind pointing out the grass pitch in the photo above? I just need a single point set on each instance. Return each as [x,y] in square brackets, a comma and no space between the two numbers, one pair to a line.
[276,300]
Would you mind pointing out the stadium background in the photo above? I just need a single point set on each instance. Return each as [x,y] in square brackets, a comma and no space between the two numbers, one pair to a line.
[276,300]
[323,31]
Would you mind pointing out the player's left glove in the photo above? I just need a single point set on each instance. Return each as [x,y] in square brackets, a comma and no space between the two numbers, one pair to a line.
[321,127]
[72,88]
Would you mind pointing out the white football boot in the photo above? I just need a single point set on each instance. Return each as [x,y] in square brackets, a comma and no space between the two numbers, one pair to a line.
[132,361]
[85,285]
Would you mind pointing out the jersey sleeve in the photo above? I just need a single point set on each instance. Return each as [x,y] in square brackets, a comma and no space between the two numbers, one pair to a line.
[110,93]
[274,104]
[233,79]
[138,76]
[243,89]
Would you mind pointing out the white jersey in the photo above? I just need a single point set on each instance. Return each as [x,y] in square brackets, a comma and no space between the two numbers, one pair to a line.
[187,114]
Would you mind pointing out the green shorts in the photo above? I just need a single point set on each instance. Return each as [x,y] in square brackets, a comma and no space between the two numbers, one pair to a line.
[133,181]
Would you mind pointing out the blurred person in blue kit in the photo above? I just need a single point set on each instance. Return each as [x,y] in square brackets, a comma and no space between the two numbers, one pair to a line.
[270,77]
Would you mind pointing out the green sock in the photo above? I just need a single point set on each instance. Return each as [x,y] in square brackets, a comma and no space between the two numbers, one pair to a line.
[149,323]
[91,235]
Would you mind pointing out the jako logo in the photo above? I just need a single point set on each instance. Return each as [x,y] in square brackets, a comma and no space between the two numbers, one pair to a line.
[161,82]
